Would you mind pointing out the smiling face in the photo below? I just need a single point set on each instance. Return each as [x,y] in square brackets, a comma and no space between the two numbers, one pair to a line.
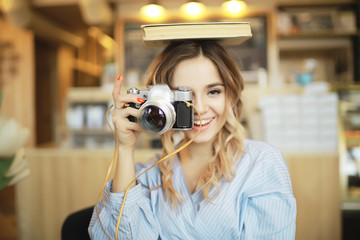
[207,68]
[201,75]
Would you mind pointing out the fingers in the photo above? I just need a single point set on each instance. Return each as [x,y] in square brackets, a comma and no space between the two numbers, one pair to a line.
[126,131]
[129,127]
[122,123]
[122,100]
[117,86]
[126,112]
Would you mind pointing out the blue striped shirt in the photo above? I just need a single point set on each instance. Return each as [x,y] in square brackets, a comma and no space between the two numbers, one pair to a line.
[257,204]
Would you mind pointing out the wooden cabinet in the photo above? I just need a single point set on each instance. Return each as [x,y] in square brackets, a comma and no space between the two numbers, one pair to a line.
[325,32]
[349,109]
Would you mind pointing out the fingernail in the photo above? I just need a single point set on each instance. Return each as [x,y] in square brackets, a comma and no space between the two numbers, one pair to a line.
[119,76]
[140,100]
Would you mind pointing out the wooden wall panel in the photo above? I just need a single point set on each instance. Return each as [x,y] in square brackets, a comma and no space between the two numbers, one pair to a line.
[64,181]
[65,74]
[316,186]
[18,88]
[61,182]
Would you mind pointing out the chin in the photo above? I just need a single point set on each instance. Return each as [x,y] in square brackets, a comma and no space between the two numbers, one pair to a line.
[201,138]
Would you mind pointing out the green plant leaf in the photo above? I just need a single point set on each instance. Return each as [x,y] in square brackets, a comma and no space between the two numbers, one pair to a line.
[4,182]
[5,163]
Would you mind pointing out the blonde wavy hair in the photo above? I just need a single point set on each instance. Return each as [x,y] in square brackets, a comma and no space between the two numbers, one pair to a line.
[228,146]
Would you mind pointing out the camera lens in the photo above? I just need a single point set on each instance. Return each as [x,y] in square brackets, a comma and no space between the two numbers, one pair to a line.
[153,119]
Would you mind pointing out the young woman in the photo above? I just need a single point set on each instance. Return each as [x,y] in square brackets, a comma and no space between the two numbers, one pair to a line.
[222,186]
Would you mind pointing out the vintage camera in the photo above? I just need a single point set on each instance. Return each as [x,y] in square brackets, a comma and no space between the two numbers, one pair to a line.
[164,109]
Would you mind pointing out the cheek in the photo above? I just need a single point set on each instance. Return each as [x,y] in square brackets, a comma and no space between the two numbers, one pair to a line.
[220,110]
[222,119]
[219,107]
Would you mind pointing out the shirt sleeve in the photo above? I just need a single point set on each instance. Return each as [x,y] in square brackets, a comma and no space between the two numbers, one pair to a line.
[270,217]
[270,211]
[137,221]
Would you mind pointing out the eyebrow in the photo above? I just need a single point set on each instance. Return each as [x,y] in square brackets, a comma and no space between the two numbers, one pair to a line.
[211,85]
[215,85]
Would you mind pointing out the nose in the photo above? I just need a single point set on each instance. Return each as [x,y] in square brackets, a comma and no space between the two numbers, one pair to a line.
[200,104]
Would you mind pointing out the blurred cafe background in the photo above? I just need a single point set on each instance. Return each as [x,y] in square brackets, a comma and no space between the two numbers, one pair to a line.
[59,59]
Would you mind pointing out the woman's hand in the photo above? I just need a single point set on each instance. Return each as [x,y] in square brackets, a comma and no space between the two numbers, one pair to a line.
[125,130]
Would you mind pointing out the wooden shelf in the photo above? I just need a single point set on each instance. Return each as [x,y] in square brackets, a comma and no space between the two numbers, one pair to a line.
[292,43]
[352,200]
[351,205]
[319,35]
[87,131]
[339,4]
[347,87]
[322,21]
[88,67]
[88,95]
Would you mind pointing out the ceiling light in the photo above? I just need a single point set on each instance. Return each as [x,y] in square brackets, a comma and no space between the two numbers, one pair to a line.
[234,7]
[193,9]
[152,10]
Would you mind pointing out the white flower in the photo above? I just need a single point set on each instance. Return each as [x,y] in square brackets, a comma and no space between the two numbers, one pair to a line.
[18,169]
[12,137]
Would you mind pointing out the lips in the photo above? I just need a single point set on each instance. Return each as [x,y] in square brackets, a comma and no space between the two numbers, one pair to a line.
[203,121]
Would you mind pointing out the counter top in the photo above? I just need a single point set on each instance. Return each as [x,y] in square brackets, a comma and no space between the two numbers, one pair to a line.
[141,154]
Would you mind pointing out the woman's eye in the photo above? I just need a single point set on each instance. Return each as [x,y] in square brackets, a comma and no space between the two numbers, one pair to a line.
[214,91]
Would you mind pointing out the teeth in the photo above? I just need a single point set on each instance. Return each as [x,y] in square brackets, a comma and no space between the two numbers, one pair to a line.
[203,122]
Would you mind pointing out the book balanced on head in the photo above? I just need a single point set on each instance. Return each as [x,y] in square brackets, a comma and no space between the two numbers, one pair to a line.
[228,33]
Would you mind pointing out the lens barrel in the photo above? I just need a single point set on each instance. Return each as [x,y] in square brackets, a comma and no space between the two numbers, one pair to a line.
[153,119]
[157,116]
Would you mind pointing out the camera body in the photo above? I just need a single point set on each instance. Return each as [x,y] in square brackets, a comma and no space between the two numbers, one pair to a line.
[164,109]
